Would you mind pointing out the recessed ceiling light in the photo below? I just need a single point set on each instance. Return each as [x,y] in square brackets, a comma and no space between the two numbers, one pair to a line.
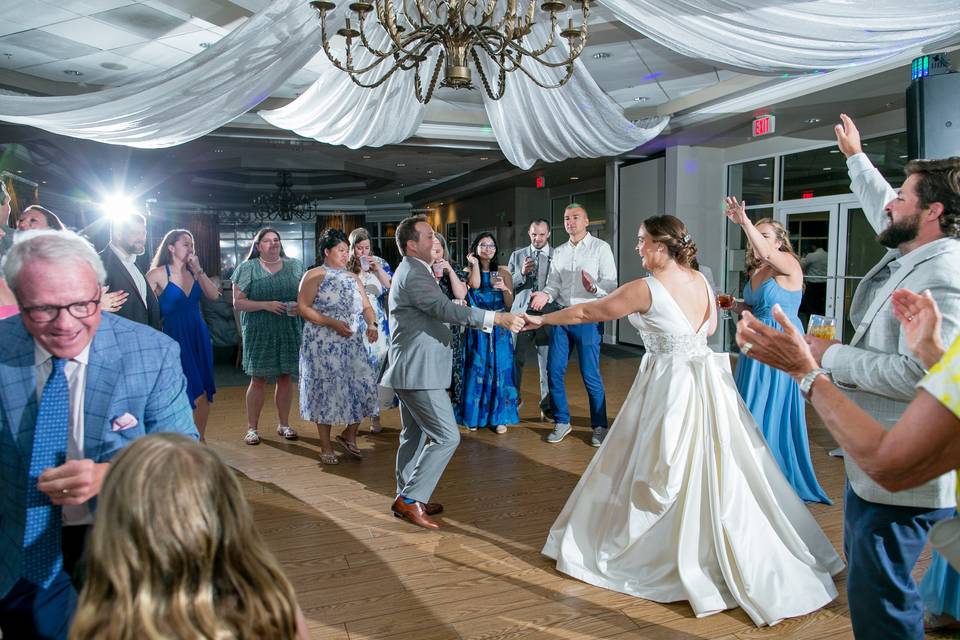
[761,164]
[366,157]
[401,164]
[828,168]
[834,150]
[19,170]
[641,99]
[113,66]
[601,55]
[902,157]
[433,179]
[73,72]
[43,182]
[574,178]
[812,120]
[441,204]
[205,45]
[429,171]
[484,158]
[766,177]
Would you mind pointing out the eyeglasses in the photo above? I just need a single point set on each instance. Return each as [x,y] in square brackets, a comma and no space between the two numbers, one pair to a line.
[49,313]
[487,245]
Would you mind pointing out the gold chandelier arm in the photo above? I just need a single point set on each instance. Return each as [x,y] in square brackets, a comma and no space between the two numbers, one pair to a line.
[366,43]
[501,77]
[509,20]
[563,80]
[418,91]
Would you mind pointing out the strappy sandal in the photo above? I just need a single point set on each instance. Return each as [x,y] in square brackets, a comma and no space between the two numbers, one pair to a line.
[252,437]
[349,447]
[329,458]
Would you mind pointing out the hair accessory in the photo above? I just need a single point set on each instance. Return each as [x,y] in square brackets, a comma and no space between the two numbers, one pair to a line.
[685,239]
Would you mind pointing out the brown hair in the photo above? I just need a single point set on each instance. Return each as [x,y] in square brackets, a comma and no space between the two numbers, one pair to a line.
[175,553]
[443,243]
[52,220]
[162,256]
[672,233]
[407,231]
[753,262]
[255,250]
[939,181]
[356,236]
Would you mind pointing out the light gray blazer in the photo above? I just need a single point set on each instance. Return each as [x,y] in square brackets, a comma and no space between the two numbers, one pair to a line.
[523,286]
[420,356]
[877,370]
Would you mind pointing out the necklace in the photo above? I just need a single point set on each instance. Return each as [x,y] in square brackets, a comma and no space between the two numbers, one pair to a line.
[266,262]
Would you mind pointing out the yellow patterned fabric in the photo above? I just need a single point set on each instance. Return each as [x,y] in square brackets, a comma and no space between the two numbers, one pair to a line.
[943,380]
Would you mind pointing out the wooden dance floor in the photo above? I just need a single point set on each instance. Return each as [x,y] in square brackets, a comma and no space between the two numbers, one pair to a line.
[361,573]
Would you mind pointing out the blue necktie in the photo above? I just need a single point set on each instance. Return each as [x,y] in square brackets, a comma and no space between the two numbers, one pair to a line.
[42,559]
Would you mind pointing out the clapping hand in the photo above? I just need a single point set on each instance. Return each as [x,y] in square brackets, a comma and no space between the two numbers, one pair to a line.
[848,137]
[112,301]
[735,211]
[921,321]
[587,281]
[538,300]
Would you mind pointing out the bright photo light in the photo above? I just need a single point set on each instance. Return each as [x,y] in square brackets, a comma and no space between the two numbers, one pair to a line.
[117,206]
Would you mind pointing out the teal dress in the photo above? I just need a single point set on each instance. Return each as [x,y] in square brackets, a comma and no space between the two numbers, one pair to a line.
[489,394]
[774,398]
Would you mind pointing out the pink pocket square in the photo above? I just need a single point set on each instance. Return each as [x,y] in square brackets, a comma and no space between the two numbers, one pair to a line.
[125,421]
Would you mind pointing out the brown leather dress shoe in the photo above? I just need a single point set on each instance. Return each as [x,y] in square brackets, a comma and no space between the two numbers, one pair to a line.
[432,508]
[413,513]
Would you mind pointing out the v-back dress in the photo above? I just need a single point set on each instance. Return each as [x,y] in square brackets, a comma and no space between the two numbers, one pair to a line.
[684,501]
[183,322]
[774,398]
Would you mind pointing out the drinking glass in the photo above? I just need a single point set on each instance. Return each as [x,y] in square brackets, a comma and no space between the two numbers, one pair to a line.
[495,278]
[365,263]
[437,270]
[292,308]
[822,327]
[725,302]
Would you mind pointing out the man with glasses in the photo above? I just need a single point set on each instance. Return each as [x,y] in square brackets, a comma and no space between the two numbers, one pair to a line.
[75,388]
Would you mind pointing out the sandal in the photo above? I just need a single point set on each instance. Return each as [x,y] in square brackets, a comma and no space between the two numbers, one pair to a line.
[329,458]
[252,437]
[350,447]
[286,431]
[375,426]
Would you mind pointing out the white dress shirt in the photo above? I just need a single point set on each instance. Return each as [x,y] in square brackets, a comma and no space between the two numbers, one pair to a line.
[76,372]
[488,316]
[593,255]
[130,262]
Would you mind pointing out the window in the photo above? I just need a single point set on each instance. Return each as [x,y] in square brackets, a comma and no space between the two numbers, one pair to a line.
[236,239]
[382,241]
[752,181]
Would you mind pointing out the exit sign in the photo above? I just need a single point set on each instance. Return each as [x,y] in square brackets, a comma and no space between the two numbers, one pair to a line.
[541,182]
[763,125]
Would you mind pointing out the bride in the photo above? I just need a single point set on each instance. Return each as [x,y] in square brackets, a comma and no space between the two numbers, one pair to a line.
[684,501]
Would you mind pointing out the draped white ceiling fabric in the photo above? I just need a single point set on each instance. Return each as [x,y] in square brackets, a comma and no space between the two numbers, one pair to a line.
[336,110]
[791,35]
[577,120]
[190,99]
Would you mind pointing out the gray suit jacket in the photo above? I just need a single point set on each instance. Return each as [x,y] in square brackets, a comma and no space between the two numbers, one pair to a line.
[523,286]
[420,356]
[877,369]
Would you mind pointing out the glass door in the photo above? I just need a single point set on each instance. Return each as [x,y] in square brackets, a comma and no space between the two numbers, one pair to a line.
[813,232]
[858,253]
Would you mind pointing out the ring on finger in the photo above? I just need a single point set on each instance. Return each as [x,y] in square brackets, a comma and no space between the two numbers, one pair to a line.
[65,492]
[745,349]
[909,318]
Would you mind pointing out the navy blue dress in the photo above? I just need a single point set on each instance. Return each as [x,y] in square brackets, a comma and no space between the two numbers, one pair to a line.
[489,394]
[774,399]
[183,322]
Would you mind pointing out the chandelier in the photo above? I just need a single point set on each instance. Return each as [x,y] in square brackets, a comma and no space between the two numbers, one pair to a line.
[461,31]
[283,204]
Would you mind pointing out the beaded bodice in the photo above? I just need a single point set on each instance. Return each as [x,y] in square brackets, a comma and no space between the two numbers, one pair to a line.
[664,328]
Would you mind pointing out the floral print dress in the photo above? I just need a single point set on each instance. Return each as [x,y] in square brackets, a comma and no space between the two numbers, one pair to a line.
[337,381]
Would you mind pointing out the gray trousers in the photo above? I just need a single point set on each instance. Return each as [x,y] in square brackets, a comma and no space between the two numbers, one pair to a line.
[428,439]
[539,339]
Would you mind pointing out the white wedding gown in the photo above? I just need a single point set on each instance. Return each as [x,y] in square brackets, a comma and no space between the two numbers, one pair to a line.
[684,501]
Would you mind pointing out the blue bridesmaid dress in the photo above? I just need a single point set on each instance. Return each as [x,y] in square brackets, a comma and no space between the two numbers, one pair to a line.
[183,322]
[774,398]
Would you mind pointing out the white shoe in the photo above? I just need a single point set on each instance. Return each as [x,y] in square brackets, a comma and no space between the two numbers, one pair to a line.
[252,437]
[501,429]
[286,431]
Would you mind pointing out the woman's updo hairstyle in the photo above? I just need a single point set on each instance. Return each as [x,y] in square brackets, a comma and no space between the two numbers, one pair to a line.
[328,240]
[672,233]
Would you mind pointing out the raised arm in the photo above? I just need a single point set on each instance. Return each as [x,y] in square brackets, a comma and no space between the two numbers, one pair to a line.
[869,185]
[783,263]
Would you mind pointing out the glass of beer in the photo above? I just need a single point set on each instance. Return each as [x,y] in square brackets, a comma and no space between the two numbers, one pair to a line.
[822,327]
[725,302]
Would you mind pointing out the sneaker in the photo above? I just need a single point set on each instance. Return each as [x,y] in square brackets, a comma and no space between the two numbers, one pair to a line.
[286,431]
[560,431]
[471,428]
[252,437]
[599,433]
[501,428]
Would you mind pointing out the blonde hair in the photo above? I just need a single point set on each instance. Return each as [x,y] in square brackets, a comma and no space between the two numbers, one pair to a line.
[174,553]
[443,243]
[753,262]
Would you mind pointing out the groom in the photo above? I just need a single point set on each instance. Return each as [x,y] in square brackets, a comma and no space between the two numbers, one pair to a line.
[419,370]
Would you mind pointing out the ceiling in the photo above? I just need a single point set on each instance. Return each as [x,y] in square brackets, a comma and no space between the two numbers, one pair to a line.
[61,47]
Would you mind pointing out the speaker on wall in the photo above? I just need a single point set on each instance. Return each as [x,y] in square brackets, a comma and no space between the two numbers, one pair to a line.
[933,116]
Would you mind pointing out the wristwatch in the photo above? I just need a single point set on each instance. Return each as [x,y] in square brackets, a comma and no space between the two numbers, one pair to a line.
[806,384]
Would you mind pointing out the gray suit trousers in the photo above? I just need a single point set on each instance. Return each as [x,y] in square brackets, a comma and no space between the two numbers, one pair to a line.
[428,439]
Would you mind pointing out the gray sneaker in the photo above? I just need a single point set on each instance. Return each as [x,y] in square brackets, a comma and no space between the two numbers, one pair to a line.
[560,431]
[599,433]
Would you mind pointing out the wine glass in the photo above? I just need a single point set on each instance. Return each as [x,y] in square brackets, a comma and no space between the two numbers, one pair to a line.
[725,302]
